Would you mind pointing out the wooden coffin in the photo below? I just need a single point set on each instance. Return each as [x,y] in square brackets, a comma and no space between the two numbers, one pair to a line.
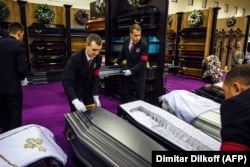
[48,47]
[48,59]
[147,17]
[95,24]
[101,138]
[171,132]
[40,29]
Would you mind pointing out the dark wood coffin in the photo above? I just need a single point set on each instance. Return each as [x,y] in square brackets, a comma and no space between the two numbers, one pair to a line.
[78,31]
[95,24]
[48,59]
[212,92]
[147,17]
[48,47]
[101,138]
[40,29]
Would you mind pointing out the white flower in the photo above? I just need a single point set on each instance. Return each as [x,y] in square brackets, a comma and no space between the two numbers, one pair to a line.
[195,18]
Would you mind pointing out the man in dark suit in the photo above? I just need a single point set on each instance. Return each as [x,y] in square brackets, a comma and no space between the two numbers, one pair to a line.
[13,69]
[81,75]
[235,110]
[135,52]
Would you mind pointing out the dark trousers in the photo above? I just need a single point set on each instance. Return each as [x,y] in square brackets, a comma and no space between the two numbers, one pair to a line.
[10,111]
[127,84]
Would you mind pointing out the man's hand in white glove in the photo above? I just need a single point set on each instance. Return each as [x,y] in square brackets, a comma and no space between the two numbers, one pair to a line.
[116,64]
[127,72]
[24,82]
[79,105]
[97,101]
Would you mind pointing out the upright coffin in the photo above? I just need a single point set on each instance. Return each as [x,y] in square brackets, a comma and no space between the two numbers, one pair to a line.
[100,138]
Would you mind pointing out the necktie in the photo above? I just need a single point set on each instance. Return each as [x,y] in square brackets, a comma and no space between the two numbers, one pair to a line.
[132,47]
[90,61]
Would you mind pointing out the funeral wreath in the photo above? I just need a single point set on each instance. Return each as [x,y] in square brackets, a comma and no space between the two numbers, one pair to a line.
[4,11]
[195,19]
[100,6]
[231,22]
[43,13]
[81,17]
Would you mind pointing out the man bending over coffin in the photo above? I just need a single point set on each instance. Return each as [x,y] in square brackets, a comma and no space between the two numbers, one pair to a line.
[235,110]
[81,75]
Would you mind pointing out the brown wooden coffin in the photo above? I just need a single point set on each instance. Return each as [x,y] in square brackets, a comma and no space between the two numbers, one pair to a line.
[95,24]
[40,29]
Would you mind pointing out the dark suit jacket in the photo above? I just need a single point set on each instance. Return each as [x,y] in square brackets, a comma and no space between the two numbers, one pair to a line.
[136,60]
[13,65]
[78,77]
[235,119]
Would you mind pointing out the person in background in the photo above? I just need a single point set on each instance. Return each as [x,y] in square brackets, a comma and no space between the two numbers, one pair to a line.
[237,55]
[235,110]
[13,70]
[80,78]
[135,52]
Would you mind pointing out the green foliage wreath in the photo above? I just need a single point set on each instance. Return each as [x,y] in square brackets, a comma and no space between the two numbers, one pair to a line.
[43,13]
[4,11]
[195,19]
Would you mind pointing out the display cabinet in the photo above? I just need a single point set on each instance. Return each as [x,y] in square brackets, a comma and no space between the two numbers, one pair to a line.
[152,17]
[191,49]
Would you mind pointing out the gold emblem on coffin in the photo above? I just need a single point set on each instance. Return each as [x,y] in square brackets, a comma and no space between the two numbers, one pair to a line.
[35,143]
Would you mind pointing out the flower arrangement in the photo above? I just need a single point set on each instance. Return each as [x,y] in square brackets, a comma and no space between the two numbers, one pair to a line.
[4,11]
[100,6]
[136,2]
[81,17]
[211,69]
[231,22]
[43,13]
[195,18]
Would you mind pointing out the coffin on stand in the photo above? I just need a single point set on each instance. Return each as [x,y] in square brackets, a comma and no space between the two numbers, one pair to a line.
[101,138]
[165,128]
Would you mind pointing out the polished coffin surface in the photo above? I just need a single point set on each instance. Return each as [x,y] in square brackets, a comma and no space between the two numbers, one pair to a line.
[99,137]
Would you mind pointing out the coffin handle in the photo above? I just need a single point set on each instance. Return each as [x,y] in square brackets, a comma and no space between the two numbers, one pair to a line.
[68,136]
[138,22]
[40,48]
[38,31]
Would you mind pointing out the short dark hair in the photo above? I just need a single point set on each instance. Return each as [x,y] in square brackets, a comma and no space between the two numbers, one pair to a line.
[135,27]
[14,27]
[94,37]
[240,73]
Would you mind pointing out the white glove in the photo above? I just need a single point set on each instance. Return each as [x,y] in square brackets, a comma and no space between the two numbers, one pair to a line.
[116,64]
[97,101]
[127,72]
[24,82]
[79,105]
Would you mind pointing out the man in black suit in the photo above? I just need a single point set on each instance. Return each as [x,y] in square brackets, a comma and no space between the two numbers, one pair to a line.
[13,69]
[235,110]
[135,52]
[81,75]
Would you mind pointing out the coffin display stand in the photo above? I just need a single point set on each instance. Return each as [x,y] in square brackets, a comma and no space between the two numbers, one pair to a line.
[101,138]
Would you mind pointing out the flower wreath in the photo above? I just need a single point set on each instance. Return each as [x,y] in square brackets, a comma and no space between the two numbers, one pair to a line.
[81,17]
[231,22]
[100,6]
[211,69]
[43,13]
[195,18]
[4,11]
